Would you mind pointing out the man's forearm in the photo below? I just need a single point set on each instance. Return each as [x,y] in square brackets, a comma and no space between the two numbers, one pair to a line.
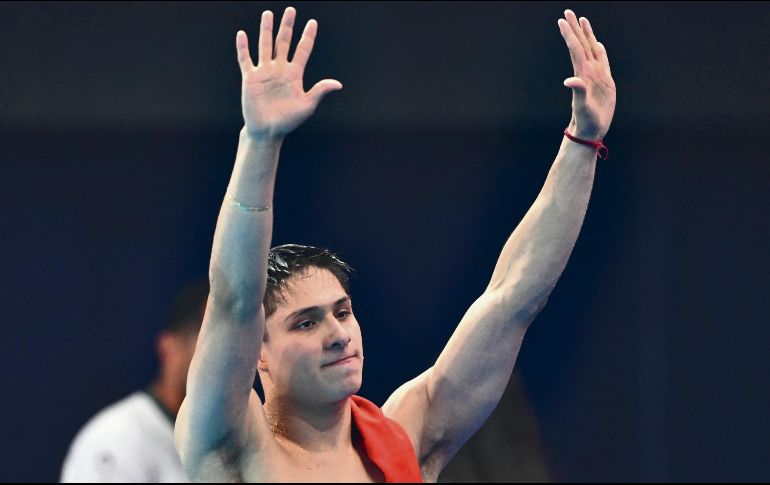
[538,250]
[238,268]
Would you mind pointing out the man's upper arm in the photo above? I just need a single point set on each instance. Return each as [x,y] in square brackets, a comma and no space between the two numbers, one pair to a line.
[221,413]
[444,406]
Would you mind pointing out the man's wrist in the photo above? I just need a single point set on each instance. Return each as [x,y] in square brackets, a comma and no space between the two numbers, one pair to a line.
[601,149]
[261,139]
[258,155]
[583,134]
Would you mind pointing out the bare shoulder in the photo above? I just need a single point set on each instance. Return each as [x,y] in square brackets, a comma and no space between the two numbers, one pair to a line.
[406,405]
[410,406]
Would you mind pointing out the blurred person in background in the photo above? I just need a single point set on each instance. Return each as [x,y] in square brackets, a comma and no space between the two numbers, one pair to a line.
[132,440]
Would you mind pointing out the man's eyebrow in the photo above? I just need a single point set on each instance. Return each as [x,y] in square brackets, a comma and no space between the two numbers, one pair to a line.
[312,309]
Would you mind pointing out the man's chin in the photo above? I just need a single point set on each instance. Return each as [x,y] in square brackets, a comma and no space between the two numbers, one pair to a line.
[345,389]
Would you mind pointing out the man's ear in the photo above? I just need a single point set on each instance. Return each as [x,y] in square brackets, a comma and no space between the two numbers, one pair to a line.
[165,346]
[261,362]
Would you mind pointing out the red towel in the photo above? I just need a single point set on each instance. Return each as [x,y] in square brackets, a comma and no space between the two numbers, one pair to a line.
[386,443]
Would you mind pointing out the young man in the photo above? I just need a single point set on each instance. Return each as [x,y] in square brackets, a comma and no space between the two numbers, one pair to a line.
[287,313]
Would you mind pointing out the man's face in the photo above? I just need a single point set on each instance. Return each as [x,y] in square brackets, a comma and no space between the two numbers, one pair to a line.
[314,352]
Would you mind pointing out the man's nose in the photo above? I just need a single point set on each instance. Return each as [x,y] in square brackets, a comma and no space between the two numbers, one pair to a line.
[338,337]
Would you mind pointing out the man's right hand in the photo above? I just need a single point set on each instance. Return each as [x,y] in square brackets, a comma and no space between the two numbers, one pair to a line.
[273,98]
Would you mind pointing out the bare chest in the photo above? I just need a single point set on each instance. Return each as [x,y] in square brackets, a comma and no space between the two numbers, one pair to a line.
[280,464]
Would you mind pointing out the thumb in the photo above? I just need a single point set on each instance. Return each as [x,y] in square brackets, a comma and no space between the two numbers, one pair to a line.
[578,87]
[322,88]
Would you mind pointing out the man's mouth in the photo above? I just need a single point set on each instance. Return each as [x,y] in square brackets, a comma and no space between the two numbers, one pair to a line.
[342,361]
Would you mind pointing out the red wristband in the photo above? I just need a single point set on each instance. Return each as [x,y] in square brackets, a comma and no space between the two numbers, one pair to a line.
[596,144]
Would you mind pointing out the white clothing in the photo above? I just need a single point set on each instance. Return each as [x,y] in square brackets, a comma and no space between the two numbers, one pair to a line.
[131,440]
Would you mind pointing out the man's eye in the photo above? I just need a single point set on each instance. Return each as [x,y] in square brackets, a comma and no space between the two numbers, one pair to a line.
[343,314]
[304,325]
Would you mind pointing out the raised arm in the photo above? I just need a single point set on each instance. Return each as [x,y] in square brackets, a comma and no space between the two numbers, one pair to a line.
[222,413]
[445,405]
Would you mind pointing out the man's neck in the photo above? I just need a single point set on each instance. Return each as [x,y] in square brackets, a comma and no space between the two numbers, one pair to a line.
[315,428]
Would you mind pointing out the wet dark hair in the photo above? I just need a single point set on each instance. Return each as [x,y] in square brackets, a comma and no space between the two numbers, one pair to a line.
[287,260]
[185,314]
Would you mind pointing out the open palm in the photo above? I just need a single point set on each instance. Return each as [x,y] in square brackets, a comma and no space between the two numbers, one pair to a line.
[593,101]
[273,97]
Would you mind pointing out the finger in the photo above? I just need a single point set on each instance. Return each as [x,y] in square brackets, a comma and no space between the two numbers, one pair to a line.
[578,87]
[322,88]
[603,58]
[572,20]
[242,47]
[283,39]
[266,37]
[589,33]
[305,45]
[573,44]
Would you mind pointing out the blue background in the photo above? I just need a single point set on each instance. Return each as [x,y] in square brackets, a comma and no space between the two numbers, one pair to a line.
[118,129]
